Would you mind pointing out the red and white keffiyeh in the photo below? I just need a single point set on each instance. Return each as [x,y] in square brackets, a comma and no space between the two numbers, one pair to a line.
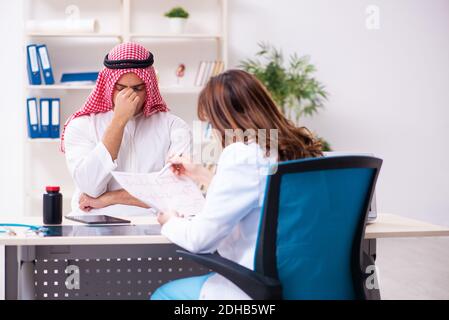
[100,99]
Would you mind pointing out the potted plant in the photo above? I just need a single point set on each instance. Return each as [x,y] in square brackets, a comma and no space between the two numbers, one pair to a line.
[178,18]
[292,86]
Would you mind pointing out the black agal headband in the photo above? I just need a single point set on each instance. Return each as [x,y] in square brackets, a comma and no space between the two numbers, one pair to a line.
[128,63]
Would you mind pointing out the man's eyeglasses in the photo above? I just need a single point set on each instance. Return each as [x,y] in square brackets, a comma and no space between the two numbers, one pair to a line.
[137,88]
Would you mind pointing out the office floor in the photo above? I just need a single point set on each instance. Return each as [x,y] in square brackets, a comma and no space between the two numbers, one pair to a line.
[414,268]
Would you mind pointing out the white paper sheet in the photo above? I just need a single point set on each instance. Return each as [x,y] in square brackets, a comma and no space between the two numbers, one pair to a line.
[163,192]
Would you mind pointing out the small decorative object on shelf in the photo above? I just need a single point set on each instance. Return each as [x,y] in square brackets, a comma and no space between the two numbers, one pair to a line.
[180,71]
[178,18]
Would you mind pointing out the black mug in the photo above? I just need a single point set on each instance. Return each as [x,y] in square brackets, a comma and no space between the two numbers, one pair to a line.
[52,205]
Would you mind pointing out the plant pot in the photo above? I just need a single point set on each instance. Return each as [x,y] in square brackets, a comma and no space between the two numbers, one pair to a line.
[177,25]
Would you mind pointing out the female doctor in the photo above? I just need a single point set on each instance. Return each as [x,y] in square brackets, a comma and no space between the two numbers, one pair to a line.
[125,126]
[230,218]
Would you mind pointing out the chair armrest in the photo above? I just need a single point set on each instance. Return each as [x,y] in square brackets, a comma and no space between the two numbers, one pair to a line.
[255,285]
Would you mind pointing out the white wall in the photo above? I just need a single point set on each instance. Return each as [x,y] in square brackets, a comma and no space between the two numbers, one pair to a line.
[388,88]
[11,109]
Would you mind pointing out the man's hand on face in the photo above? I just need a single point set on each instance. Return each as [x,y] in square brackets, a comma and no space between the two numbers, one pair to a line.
[125,105]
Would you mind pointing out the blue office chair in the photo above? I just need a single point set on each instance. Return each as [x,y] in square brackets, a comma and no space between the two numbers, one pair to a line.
[310,234]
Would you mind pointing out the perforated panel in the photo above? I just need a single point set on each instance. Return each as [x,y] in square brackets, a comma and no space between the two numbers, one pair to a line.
[127,274]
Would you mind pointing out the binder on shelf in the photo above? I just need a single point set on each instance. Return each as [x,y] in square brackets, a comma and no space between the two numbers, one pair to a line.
[34,75]
[44,116]
[45,64]
[33,118]
[79,77]
[55,114]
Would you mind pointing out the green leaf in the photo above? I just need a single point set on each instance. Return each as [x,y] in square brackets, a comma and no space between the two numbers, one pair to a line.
[177,12]
[292,85]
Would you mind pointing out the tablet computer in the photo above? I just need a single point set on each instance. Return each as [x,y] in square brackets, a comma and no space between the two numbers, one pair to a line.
[97,219]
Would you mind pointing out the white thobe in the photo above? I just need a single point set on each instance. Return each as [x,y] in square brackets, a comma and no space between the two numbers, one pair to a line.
[146,143]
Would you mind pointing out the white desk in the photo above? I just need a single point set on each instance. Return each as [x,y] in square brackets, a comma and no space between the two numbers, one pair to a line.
[393,226]
[131,266]
[157,246]
[24,240]
[386,226]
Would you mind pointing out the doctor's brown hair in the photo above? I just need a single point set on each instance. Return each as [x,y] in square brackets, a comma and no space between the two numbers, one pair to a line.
[236,99]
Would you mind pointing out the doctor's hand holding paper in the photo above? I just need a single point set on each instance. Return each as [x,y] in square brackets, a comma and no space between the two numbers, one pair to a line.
[183,165]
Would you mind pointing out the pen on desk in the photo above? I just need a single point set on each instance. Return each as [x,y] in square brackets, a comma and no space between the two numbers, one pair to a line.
[167,165]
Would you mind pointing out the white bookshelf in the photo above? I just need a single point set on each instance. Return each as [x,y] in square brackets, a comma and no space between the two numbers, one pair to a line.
[60,87]
[72,35]
[118,21]
[186,36]
[45,140]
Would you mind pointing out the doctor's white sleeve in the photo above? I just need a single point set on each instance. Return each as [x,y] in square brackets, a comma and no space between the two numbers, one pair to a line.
[89,162]
[234,192]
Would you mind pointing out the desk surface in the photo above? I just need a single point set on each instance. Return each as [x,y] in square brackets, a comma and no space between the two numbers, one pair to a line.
[386,226]
[394,226]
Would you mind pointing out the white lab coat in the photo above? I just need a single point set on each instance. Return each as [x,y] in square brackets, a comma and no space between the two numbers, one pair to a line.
[146,143]
[230,218]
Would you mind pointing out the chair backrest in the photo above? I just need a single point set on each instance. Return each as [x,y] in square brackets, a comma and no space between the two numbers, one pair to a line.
[313,223]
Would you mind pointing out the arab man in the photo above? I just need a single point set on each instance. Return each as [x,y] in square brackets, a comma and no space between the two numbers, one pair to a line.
[124,125]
